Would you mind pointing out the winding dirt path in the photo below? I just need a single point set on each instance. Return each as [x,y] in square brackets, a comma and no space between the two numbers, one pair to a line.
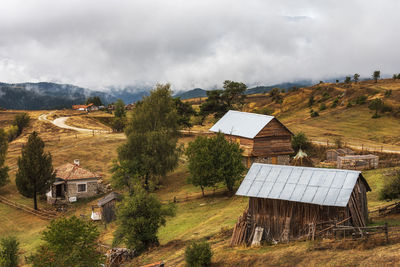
[61,122]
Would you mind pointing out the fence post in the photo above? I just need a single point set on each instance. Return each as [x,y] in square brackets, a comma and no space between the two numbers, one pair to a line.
[386,233]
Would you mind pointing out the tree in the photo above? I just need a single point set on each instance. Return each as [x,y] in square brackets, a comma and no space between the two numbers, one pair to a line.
[152,134]
[95,100]
[69,242]
[376,105]
[139,216]
[348,79]
[35,170]
[9,247]
[300,141]
[356,77]
[119,111]
[198,254]
[311,101]
[213,160]
[394,76]
[21,121]
[185,111]
[276,95]
[376,75]
[3,153]
[391,187]
[218,102]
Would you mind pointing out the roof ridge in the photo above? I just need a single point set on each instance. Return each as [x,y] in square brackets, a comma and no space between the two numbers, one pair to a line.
[251,113]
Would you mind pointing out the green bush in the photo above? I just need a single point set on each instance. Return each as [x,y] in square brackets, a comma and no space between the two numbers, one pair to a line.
[391,189]
[9,252]
[21,121]
[362,99]
[12,133]
[300,141]
[335,103]
[322,107]
[198,254]
[349,104]
[313,113]
[265,111]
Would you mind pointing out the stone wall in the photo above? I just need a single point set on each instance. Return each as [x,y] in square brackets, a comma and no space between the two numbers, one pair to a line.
[91,189]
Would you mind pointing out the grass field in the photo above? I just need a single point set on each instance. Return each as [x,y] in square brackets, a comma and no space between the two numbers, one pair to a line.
[211,217]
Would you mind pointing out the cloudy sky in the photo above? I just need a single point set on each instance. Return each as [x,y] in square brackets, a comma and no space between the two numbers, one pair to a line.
[96,43]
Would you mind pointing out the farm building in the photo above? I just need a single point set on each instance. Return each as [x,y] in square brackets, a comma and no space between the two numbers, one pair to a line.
[107,206]
[264,139]
[286,201]
[333,154]
[73,182]
[358,162]
[90,107]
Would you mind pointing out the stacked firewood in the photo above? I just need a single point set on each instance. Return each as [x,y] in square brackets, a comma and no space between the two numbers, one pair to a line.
[117,256]
[240,231]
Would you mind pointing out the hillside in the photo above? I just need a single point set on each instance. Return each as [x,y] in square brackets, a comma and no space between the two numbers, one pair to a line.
[39,96]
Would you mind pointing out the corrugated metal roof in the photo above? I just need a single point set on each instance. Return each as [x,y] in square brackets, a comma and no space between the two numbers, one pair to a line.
[328,187]
[242,124]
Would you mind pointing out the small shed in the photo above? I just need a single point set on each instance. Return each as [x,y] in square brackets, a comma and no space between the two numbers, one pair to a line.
[107,205]
[358,162]
[333,154]
[263,138]
[285,201]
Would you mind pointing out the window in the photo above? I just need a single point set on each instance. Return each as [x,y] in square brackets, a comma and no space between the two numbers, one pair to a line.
[81,187]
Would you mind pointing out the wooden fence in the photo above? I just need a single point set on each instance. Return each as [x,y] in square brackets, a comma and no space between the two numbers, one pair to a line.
[42,214]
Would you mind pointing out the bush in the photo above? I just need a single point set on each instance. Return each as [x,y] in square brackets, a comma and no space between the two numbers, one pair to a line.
[335,103]
[362,99]
[313,113]
[388,93]
[300,141]
[118,124]
[9,252]
[322,107]
[12,133]
[265,111]
[391,189]
[198,254]
[21,121]
[349,104]
[325,96]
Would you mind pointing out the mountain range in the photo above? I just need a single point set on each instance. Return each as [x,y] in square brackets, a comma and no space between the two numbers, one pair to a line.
[46,95]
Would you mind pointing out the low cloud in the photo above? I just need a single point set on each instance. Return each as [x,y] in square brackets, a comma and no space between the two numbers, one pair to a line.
[98,43]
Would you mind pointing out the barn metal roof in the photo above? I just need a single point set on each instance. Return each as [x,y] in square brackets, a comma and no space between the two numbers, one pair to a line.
[328,187]
[242,124]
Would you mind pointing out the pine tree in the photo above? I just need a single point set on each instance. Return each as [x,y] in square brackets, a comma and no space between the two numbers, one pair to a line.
[3,153]
[35,170]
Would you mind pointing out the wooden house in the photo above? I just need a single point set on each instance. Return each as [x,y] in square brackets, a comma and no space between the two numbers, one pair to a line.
[73,182]
[285,202]
[264,139]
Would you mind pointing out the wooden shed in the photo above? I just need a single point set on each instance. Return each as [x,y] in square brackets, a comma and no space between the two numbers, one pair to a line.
[107,205]
[264,139]
[286,201]
[333,154]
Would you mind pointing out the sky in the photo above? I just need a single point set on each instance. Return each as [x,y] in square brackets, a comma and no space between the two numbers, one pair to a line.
[101,43]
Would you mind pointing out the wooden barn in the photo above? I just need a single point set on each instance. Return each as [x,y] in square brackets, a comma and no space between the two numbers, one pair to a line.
[285,202]
[264,139]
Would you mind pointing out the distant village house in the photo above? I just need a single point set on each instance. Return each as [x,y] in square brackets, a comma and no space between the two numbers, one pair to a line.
[73,182]
[89,107]
[264,139]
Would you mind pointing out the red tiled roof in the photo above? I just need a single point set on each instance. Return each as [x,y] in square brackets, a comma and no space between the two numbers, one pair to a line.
[70,171]
[78,106]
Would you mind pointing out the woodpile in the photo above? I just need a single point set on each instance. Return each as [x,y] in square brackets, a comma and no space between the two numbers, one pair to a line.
[117,256]
[240,230]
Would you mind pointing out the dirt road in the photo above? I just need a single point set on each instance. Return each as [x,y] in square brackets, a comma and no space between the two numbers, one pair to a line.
[60,122]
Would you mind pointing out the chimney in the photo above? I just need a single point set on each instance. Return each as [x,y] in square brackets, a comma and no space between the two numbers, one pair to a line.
[76,162]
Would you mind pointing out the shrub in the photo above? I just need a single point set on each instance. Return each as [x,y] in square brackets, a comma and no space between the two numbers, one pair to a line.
[264,110]
[362,99]
[311,101]
[388,93]
[391,189]
[335,103]
[12,133]
[325,96]
[322,107]
[313,113]
[349,104]
[21,121]
[9,252]
[300,141]
[198,254]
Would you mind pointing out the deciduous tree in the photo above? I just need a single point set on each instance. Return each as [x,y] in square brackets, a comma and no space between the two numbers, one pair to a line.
[356,77]
[21,121]
[213,160]
[139,216]
[9,247]
[376,75]
[35,170]
[69,242]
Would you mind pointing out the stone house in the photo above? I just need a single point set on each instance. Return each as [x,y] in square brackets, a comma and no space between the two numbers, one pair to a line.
[73,182]
[264,139]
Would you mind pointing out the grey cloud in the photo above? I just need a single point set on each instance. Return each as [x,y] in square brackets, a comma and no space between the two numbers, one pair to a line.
[194,43]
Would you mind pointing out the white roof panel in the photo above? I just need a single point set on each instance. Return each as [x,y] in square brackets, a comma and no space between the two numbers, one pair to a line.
[329,187]
[242,124]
